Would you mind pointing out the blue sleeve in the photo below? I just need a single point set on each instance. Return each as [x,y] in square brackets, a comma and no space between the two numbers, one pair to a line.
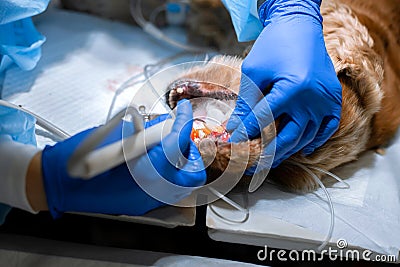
[20,42]
[21,127]
[245,19]
[17,124]
[4,209]
[13,10]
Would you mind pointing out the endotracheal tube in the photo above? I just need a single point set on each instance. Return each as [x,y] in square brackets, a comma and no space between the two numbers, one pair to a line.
[153,30]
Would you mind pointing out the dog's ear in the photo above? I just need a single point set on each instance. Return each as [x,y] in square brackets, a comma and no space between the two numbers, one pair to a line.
[364,77]
[350,47]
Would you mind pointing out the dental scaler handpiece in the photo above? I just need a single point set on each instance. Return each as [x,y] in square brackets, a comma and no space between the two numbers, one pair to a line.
[87,162]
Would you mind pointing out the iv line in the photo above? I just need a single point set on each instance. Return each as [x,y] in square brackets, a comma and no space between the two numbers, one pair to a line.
[332,211]
[150,28]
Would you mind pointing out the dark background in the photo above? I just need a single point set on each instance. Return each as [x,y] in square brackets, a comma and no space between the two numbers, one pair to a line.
[106,233]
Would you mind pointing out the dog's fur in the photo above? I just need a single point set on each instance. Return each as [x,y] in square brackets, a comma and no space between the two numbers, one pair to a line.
[364,47]
[382,19]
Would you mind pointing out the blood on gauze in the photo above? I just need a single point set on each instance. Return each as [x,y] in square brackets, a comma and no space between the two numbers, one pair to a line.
[201,130]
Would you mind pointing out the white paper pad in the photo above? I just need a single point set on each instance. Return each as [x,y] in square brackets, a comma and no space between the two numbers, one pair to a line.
[367,215]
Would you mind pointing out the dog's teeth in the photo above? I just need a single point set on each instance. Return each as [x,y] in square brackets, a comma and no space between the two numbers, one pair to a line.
[171,98]
[179,90]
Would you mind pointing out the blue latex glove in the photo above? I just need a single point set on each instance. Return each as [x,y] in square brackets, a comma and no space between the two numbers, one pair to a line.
[306,95]
[115,191]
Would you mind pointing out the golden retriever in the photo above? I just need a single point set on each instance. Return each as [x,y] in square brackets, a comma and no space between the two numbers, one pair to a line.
[362,39]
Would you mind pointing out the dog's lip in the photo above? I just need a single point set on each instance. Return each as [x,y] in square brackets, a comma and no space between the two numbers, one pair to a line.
[187,88]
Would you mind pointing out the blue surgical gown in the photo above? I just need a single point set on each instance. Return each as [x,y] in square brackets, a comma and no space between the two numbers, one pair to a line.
[20,44]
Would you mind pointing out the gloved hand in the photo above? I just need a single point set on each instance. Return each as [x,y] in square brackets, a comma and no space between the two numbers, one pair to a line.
[290,56]
[115,191]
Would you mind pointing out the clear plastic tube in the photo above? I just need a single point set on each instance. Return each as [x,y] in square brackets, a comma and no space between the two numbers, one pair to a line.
[148,71]
[337,178]
[332,211]
[156,12]
[244,210]
[136,12]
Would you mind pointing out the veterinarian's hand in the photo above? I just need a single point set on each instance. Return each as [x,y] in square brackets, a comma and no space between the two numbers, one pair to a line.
[291,66]
[115,191]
